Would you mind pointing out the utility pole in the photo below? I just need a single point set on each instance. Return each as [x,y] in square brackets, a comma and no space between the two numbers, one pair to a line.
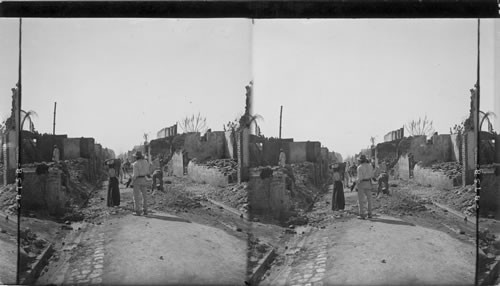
[19,170]
[477,172]
[54,126]
[281,112]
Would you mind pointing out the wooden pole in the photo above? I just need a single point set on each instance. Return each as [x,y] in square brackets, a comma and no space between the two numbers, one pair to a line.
[476,153]
[19,174]
[54,124]
[281,112]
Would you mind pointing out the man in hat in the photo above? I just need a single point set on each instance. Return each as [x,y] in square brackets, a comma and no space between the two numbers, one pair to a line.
[55,154]
[364,186]
[141,169]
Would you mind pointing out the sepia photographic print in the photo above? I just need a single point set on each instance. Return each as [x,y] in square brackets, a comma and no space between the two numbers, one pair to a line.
[245,151]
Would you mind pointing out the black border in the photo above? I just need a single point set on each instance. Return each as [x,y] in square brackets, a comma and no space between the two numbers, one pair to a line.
[254,9]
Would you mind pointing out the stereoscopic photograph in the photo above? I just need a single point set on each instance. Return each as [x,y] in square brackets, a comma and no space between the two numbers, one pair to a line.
[244,151]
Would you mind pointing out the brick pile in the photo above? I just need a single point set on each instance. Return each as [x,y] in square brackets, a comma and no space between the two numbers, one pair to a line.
[451,169]
[228,167]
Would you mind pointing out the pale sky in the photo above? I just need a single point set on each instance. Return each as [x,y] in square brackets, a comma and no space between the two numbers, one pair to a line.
[342,81]
[115,79]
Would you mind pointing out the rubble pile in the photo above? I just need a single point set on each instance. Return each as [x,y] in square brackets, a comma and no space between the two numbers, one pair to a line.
[228,167]
[1,172]
[451,169]
[489,249]
[8,199]
[31,247]
[403,202]
[461,199]
[256,251]
[234,196]
[304,192]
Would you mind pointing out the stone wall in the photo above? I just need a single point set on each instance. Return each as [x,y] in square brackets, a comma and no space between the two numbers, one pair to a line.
[205,175]
[162,146]
[177,164]
[468,158]
[71,147]
[44,191]
[440,150]
[456,147]
[403,167]
[297,152]
[268,196]
[428,177]
[490,194]
[387,151]
[209,147]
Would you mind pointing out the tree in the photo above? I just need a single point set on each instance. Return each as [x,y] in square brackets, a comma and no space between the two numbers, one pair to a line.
[194,123]
[486,116]
[27,115]
[372,139]
[422,126]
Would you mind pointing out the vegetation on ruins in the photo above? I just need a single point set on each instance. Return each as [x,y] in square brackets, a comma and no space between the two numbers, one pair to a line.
[193,123]
[485,116]
[422,126]
[27,115]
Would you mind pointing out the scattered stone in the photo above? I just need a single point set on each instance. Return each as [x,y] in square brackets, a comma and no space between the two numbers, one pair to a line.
[383,261]
[239,229]
[161,257]
[461,231]
[3,230]
[67,227]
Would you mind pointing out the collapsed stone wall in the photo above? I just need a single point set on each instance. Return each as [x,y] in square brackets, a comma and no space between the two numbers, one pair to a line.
[218,173]
[443,176]
[58,188]
[268,195]
[281,193]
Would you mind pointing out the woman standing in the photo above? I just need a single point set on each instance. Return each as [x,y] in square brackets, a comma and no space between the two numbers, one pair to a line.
[113,186]
[338,200]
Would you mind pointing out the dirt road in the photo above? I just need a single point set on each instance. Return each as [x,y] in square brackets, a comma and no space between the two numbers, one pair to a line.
[386,250]
[8,251]
[176,246]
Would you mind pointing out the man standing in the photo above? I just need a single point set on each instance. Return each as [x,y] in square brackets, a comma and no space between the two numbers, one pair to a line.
[364,185]
[140,171]
[55,154]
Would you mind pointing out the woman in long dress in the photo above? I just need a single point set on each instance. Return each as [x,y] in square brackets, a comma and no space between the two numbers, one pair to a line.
[113,186]
[338,200]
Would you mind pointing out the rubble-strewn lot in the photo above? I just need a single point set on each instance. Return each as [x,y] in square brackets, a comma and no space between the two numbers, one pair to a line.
[8,203]
[228,167]
[450,169]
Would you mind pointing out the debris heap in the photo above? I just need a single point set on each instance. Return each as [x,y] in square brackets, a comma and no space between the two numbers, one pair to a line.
[31,247]
[8,199]
[451,169]
[228,167]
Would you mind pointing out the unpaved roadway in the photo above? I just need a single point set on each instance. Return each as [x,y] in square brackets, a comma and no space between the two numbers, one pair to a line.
[8,250]
[386,250]
[165,247]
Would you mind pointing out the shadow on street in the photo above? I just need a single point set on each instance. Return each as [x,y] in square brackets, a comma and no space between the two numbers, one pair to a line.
[390,221]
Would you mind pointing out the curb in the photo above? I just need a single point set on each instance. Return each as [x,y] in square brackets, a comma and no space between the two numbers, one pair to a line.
[37,267]
[456,213]
[261,269]
[491,275]
[228,208]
